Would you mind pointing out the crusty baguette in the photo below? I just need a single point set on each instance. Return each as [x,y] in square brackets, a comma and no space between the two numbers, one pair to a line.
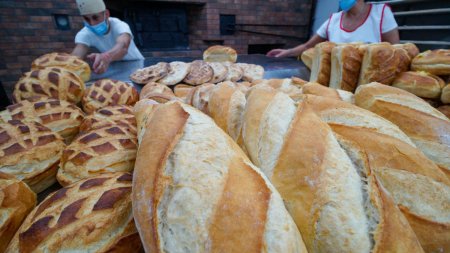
[220,53]
[307,57]
[194,189]
[379,64]
[321,64]
[345,65]
[421,84]
[436,62]
[320,90]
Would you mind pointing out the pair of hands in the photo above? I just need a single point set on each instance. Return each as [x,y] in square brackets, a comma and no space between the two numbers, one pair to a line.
[100,61]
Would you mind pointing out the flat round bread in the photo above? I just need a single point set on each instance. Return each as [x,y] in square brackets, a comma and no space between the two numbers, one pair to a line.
[251,71]
[200,73]
[178,71]
[235,73]
[219,70]
[151,74]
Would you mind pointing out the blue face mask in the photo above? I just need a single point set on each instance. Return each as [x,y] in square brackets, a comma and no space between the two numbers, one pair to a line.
[346,5]
[99,29]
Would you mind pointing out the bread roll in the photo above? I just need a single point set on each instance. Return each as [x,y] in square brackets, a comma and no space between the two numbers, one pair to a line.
[345,65]
[178,71]
[307,57]
[220,54]
[235,73]
[421,84]
[58,115]
[436,62]
[320,90]
[215,200]
[336,207]
[151,74]
[199,97]
[404,60]
[109,116]
[445,109]
[54,82]
[425,125]
[445,95]
[199,73]
[92,215]
[107,92]
[321,64]
[63,60]
[379,64]
[106,149]
[220,71]
[411,48]
[252,72]
[31,152]
[16,201]
[182,90]
[158,92]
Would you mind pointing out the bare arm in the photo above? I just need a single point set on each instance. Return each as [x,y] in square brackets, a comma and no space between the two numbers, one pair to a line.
[120,49]
[392,36]
[298,50]
[80,50]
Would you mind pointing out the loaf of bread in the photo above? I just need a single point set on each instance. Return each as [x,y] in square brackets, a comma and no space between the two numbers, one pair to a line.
[106,149]
[178,71]
[285,85]
[411,48]
[445,109]
[379,64]
[404,60]
[108,92]
[220,54]
[195,190]
[426,126]
[436,62]
[445,95]
[109,116]
[421,84]
[336,207]
[142,110]
[58,115]
[345,65]
[320,90]
[63,60]
[54,82]
[307,57]
[92,215]
[321,64]
[16,202]
[252,72]
[182,90]
[31,152]
[200,72]
[199,96]
[158,92]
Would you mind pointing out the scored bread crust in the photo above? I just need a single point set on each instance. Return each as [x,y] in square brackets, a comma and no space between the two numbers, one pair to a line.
[63,60]
[321,64]
[220,72]
[92,215]
[54,82]
[199,73]
[345,66]
[178,71]
[109,115]
[379,64]
[436,62]
[150,74]
[215,200]
[108,92]
[219,53]
[31,152]
[16,201]
[421,84]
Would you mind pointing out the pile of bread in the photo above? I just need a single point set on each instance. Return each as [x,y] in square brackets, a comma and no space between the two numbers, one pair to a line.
[279,165]
[218,64]
[345,66]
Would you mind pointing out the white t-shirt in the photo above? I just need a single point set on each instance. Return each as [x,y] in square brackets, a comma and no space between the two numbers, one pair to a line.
[379,20]
[106,42]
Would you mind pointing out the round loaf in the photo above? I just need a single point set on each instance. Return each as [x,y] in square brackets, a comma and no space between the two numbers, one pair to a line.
[182,90]
[178,71]
[158,92]
[251,72]
[421,84]
[108,92]
[445,96]
[436,62]
[93,215]
[235,73]
[63,60]
[220,54]
[54,82]
[219,70]
[16,201]
[199,73]
[150,74]
[106,149]
[60,116]
[109,116]
[31,152]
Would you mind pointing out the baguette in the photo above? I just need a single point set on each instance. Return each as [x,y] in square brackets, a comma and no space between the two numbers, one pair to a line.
[345,65]
[307,57]
[320,90]
[379,64]
[321,64]
[436,62]
[421,84]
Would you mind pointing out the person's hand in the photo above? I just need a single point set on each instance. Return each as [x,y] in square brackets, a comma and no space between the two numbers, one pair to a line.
[278,53]
[100,62]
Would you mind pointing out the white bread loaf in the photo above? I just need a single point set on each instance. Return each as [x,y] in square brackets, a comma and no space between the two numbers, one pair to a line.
[199,96]
[421,84]
[379,64]
[320,90]
[157,92]
[345,65]
[195,190]
[436,62]
[321,64]
[219,53]
[142,111]
[428,128]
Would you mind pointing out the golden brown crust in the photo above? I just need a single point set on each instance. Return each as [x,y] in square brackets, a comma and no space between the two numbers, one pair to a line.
[199,73]
[445,109]
[321,66]
[219,53]
[436,62]
[16,201]
[411,48]
[63,60]
[54,82]
[320,90]
[307,57]
[345,66]
[157,92]
[379,64]
[445,96]
[182,90]
[151,74]
[421,84]
[109,116]
[107,92]
[404,61]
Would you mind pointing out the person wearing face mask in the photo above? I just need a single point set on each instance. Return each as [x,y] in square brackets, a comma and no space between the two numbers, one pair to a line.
[110,36]
[357,22]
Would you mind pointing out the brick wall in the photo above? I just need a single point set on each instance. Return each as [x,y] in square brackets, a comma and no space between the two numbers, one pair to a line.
[28,28]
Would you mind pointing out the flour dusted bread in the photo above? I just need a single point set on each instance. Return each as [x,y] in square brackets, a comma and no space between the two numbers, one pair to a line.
[307,57]
[178,71]
[150,74]
[252,72]
[109,116]
[111,148]
[321,64]
[215,200]
[436,62]
[199,73]
[63,60]
[421,84]
[182,90]
[158,92]
[235,73]
[108,92]
[345,65]
[60,116]
[31,152]
[445,95]
[220,71]
[16,201]
[54,82]
[220,54]
[199,97]
[379,64]
[320,90]
[93,215]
